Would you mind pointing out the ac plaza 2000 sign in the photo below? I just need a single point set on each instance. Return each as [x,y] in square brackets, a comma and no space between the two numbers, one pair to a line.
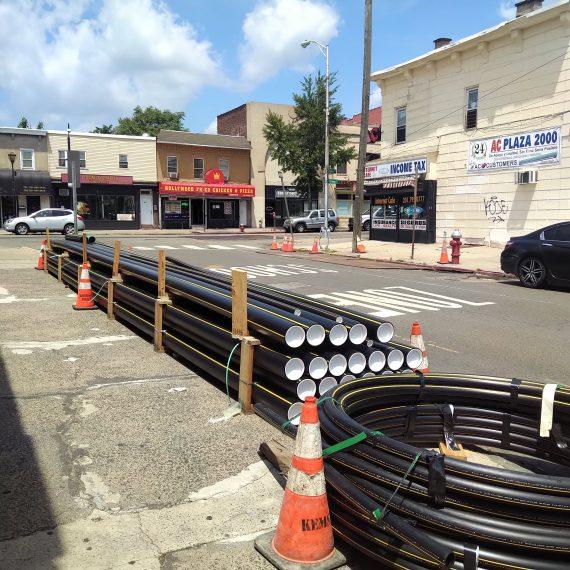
[515,151]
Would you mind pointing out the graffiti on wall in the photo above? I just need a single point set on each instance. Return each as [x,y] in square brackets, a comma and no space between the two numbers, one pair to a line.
[496,210]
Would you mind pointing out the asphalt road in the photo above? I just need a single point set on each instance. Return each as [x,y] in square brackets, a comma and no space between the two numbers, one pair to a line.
[471,325]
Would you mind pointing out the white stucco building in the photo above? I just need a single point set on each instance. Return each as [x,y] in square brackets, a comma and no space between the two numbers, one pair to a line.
[491,114]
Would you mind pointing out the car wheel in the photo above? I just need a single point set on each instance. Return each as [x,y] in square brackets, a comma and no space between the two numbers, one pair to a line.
[366,226]
[300,228]
[22,229]
[332,227]
[68,229]
[532,272]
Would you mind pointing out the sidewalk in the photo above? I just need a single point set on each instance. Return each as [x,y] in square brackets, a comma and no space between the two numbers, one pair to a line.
[478,259]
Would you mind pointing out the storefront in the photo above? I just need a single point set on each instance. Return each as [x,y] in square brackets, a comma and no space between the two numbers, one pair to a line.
[275,204]
[105,202]
[29,192]
[390,189]
[184,205]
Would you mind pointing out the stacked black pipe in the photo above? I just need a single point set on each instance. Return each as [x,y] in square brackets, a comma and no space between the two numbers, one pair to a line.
[392,497]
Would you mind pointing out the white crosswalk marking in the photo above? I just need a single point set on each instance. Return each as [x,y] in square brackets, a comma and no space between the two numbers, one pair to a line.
[143,248]
[272,270]
[396,300]
[213,246]
[247,246]
[165,247]
[194,247]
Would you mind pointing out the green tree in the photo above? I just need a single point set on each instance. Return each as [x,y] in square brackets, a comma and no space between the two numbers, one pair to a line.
[24,123]
[40,126]
[150,121]
[104,130]
[299,146]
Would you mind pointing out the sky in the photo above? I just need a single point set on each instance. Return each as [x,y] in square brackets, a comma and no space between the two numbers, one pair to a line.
[89,62]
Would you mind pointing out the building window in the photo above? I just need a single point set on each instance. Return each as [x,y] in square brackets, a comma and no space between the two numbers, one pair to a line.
[401,125]
[225,168]
[472,104]
[27,159]
[199,168]
[62,159]
[341,168]
[123,161]
[344,203]
[172,166]
[110,208]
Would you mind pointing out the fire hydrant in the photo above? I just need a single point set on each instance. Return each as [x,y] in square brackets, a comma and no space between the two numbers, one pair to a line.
[242,228]
[455,245]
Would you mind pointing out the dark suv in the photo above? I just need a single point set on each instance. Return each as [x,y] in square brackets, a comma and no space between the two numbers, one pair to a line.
[541,257]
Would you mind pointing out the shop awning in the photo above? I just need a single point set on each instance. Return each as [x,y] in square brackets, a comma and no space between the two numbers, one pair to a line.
[207,190]
[26,181]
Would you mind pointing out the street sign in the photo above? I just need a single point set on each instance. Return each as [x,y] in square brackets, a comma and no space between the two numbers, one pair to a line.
[333,181]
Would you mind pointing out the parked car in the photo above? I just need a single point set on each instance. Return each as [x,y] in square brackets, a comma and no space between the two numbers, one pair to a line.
[540,257]
[311,220]
[366,224]
[54,219]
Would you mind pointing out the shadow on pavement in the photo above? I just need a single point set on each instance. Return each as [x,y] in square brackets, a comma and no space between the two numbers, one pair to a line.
[25,506]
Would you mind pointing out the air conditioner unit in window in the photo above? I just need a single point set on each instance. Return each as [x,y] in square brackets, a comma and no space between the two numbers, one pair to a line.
[526,177]
[173,175]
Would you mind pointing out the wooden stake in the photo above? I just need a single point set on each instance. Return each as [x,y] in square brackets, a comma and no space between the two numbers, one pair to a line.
[459,454]
[239,303]
[48,239]
[46,258]
[240,331]
[162,300]
[245,389]
[60,259]
[115,278]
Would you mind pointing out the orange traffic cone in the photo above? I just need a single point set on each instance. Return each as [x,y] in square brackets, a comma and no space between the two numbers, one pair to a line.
[315,248]
[443,258]
[274,245]
[360,248]
[84,293]
[304,533]
[284,243]
[417,341]
[40,266]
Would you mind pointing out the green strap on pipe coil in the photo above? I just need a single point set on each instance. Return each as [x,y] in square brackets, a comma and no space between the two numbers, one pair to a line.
[228,371]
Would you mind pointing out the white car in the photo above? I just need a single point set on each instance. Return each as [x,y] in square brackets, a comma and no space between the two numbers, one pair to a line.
[54,219]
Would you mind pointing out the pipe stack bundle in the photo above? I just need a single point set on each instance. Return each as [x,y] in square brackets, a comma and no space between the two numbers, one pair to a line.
[307,346]
[391,495]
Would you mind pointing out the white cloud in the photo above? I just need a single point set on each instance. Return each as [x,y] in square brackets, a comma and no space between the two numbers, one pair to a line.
[212,128]
[273,31]
[74,60]
[508,11]
[375,97]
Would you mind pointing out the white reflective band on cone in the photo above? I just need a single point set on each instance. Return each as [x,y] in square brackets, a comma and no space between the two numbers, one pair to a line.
[306,387]
[326,384]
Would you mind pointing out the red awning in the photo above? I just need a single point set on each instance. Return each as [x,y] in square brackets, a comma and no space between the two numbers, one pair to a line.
[208,190]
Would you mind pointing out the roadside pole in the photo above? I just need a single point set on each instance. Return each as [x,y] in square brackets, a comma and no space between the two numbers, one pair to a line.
[74,180]
[414,214]
[357,213]
[280,174]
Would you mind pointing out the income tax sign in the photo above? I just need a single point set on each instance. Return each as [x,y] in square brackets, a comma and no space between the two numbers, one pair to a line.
[515,151]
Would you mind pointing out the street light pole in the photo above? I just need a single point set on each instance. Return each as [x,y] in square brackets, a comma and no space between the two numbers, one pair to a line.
[12,157]
[325,51]
[280,174]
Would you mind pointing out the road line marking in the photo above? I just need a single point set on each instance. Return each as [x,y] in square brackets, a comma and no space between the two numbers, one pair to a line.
[463,301]
[165,247]
[247,246]
[213,246]
[194,247]
[443,348]
[143,248]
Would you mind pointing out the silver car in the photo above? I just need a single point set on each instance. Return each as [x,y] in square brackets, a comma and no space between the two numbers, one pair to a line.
[54,219]
[311,220]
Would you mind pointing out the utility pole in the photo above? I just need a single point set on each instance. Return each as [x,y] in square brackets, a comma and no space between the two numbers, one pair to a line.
[357,211]
[71,179]
[416,176]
